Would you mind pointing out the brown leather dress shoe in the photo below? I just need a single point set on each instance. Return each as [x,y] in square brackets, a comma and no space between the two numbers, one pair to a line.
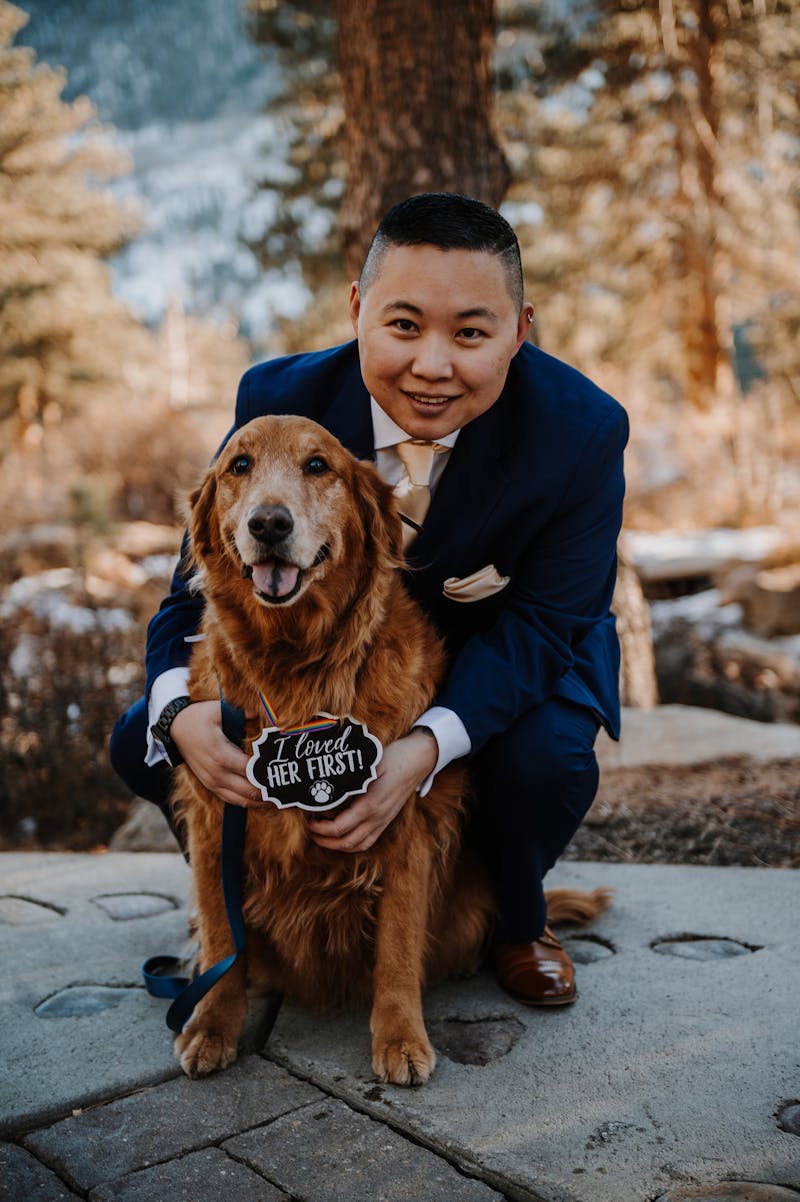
[537,974]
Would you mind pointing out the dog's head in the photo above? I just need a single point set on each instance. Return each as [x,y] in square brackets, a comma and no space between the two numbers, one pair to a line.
[287,507]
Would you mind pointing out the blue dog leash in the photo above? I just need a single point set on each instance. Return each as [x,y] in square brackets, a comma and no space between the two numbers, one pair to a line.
[158,971]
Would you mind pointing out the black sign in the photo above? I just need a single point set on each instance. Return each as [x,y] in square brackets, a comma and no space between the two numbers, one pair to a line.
[316,768]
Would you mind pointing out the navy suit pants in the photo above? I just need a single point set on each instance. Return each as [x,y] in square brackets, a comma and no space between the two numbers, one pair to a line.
[533,787]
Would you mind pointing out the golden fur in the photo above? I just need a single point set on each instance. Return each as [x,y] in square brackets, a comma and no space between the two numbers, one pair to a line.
[325,927]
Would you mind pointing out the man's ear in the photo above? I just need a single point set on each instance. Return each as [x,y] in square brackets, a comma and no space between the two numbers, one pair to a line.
[524,324]
[355,305]
[203,524]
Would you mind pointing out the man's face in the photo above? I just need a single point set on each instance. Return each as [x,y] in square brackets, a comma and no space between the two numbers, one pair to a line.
[436,332]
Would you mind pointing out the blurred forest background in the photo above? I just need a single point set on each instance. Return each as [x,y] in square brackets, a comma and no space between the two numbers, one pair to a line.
[187,188]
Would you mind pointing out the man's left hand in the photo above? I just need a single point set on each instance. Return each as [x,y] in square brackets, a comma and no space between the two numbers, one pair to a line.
[404,766]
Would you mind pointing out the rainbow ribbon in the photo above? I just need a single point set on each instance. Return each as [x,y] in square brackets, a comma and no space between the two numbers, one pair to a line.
[316,724]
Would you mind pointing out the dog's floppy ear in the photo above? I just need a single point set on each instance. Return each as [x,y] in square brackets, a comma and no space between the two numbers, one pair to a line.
[379,513]
[203,525]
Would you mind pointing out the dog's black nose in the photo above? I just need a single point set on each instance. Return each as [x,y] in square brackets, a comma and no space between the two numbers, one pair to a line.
[270,523]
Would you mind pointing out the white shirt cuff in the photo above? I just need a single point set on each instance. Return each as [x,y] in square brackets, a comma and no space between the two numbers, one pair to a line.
[451,738]
[166,687]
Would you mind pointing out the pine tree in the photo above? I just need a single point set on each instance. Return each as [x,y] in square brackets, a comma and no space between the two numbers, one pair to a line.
[417,90]
[305,194]
[63,338]
[661,143]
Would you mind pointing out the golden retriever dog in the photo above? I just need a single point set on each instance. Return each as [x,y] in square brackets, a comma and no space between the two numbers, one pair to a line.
[297,547]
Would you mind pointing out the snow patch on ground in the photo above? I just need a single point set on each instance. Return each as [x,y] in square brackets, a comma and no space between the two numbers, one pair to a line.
[44,595]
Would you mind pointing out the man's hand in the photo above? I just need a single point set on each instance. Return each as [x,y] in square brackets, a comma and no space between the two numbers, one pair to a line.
[216,762]
[403,767]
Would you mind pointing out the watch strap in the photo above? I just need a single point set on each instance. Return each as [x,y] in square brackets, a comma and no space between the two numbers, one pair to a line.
[161,728]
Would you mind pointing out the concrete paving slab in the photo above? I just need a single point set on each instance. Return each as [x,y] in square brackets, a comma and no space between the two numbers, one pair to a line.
[731,1191]
[207,1176]
[330,1153]
[23,1177]
[687,734]
[668,1069]
[76,1025]
[175,1118]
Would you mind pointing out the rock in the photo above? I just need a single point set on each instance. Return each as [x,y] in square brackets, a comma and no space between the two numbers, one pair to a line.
[682,734]
[145,829]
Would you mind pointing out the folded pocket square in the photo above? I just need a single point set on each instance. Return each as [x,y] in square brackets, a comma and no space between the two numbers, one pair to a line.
[481,584]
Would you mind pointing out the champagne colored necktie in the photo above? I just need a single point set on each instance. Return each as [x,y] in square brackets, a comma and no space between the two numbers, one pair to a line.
[413,492]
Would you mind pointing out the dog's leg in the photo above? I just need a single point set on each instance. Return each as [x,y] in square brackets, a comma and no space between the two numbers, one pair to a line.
[401,1050]
[461,922]
[209,1040]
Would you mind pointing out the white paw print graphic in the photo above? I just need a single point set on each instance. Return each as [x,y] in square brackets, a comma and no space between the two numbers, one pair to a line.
[321,792]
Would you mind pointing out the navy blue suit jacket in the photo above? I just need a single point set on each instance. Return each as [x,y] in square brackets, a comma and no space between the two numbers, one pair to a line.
[534,486]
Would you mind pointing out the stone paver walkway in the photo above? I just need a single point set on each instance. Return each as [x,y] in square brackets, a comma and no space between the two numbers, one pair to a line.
[674,1077]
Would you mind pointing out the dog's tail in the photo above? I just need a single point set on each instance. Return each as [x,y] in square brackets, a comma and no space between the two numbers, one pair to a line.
[576,905]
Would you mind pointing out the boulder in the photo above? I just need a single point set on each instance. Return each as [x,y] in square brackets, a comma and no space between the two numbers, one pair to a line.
[145,829]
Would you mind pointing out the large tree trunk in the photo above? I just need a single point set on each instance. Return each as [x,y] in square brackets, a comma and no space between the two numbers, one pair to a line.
[707,339]
[416,79]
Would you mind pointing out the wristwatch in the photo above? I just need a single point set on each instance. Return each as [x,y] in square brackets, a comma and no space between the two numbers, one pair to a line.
[161,729]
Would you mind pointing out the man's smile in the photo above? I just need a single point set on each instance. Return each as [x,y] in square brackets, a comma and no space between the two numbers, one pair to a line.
[423,399]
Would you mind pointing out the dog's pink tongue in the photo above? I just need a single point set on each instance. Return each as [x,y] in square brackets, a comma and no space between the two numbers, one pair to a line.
[275,579]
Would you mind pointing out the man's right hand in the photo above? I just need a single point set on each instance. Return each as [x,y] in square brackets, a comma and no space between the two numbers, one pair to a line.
[216,762]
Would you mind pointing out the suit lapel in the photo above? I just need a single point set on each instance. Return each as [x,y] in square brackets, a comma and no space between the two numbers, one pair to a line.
[472,484]
[348,416]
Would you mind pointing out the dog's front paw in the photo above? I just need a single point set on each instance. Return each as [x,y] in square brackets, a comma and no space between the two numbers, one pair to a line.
[408,1061]
[201,1051]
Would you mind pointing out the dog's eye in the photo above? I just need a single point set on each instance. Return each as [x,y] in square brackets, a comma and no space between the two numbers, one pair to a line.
[315,466]
[241,465]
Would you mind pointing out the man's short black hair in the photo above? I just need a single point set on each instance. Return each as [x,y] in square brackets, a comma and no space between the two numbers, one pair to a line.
[451,222]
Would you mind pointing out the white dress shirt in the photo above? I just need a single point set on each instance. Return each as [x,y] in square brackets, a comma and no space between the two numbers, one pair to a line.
[449,731]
